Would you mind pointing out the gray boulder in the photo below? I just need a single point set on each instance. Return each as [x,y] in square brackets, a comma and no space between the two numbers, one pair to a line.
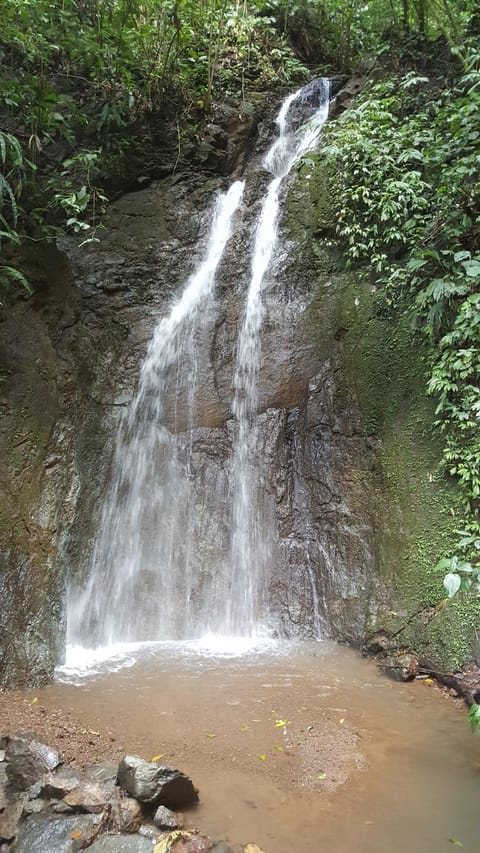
[10,814]
[126,814]
[87,797]
[60,782]
[155,783]
[121,844]
[28,760]
[106,773]
[47,834]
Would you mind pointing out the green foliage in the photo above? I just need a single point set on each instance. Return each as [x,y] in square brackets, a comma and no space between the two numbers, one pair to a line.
[407,198]
[85,81]
[474,716]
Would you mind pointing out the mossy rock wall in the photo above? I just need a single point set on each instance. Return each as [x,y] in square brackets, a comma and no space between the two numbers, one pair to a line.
[379,364]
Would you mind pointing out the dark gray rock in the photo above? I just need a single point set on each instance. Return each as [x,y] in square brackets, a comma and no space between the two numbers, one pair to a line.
[155,783]
[47,834]
[121,844]
[11,813]
[60,782]
[28,760]
[166,819]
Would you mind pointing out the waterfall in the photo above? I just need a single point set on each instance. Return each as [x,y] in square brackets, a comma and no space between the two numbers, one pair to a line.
[142,582]
[130,592]
[251,526]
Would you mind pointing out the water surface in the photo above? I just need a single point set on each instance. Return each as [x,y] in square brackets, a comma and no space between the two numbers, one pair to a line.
[363,764]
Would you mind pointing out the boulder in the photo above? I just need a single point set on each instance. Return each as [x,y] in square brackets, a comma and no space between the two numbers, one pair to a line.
[28,760]
[11,813]
[48,834]
[121,844]
[149,830]
[60,782]
[166,819]
[87,797]
[35,807]
[105,772]
[126,814]
[155,783]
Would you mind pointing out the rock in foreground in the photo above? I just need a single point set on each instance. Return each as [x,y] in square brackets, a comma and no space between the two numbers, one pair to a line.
[155,784]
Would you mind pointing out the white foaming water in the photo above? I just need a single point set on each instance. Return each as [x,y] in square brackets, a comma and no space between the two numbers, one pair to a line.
[85,663]
[252,528]
[140,567]
[159,572]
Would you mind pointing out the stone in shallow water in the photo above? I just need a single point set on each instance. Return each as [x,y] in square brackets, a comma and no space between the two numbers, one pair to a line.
[155,783]
[47,834]
[121,844]
[166,819]
[28,760]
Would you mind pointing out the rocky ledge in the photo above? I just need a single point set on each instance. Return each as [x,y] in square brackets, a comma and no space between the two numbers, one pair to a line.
[130,807]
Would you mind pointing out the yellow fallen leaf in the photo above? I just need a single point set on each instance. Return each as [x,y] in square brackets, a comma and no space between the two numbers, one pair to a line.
[278,748]
[34,701]
[342,721]
[210,735]
[279,724]
[428,680]
[262,757]
[157,757]
[166,841]
[245,729]
[322,776]
[76,834]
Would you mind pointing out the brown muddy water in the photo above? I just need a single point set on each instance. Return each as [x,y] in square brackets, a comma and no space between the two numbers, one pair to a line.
[300,748]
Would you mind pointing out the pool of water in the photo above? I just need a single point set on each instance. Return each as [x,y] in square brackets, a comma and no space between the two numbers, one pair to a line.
[300,748]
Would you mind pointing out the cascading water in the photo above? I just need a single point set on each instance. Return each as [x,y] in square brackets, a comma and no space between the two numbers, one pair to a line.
[251,528]
[143,582]
[130,593]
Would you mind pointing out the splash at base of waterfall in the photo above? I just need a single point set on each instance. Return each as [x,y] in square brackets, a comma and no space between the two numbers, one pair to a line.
[83,663]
